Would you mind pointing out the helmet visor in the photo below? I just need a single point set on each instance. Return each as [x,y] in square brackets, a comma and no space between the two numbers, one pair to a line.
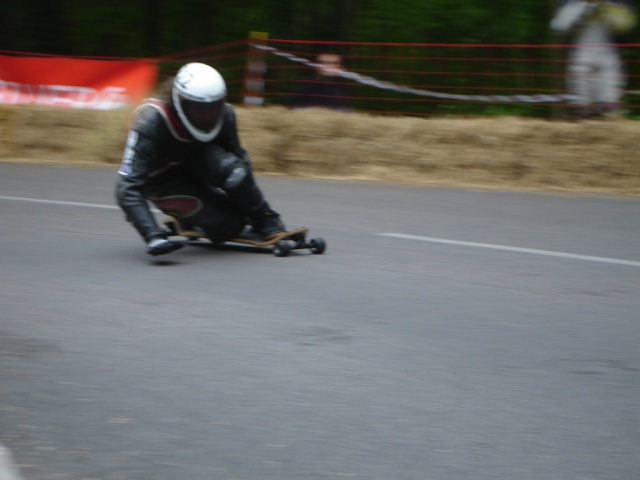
[203,116]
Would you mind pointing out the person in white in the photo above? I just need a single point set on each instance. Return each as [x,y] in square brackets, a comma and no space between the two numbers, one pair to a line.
[595,73]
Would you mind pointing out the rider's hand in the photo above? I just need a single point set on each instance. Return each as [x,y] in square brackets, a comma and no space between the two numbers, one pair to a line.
[161,246]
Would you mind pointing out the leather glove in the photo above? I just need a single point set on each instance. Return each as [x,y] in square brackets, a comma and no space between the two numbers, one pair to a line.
[162,246]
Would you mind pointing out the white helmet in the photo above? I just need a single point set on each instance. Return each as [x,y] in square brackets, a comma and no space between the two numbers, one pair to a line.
[198,94]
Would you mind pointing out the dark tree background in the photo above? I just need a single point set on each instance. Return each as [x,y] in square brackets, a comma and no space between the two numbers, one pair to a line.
[160,28]
[151,28]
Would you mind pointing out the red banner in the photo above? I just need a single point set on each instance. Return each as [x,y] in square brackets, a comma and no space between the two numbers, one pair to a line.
[77,83]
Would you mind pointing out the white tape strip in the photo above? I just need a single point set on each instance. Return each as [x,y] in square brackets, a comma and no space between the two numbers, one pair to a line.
[365,80]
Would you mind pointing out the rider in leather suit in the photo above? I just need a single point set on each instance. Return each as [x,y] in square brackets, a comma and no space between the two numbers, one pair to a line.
[184,156]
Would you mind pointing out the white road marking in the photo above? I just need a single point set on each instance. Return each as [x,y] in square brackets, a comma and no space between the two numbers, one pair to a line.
[8,470]
[507,248]
[58,202]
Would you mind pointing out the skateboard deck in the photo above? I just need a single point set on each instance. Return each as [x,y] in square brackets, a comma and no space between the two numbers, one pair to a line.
[282,243]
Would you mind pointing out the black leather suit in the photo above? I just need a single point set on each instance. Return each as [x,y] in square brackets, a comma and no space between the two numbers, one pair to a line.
[209,185]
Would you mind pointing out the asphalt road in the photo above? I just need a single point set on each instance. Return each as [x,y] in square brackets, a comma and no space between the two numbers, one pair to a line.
[445,335]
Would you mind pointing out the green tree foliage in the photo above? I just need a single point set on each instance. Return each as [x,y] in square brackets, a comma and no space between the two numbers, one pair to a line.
[151,28]
[157,28]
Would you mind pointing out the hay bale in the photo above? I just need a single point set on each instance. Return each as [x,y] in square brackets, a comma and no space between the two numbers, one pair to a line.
[488,152]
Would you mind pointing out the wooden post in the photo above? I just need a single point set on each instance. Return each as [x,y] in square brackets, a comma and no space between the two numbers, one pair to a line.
[256,67]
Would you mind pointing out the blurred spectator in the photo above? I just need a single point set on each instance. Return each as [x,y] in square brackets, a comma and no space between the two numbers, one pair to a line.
[595,74]
[325,89]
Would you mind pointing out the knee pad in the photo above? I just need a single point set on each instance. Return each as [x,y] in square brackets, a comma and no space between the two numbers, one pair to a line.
[233,171]
[234,176]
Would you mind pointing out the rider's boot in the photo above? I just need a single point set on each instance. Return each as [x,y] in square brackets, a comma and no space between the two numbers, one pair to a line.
[266,222]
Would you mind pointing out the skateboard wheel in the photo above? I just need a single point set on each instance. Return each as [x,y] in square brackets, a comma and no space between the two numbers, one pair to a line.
[317,245]
[282,248]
